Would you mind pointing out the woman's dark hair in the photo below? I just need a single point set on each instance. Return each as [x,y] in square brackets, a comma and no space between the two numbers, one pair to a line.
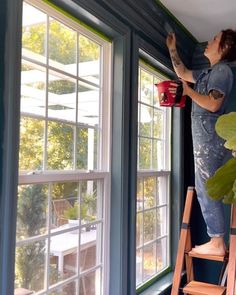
[228,45]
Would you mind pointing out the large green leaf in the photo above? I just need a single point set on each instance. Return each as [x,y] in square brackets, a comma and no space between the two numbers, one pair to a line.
[222,183]
[234,187]
[226,128]
[229,198]
[231,143]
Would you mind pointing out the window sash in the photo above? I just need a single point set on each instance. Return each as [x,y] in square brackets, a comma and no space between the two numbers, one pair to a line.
[163,172]
[103,173]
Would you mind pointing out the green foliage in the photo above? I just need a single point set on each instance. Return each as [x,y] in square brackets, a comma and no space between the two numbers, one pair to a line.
[87,208]
[62,43]
[75,211]
[88,50]
[222,185]
[82,148]
[34,39]
[31,144]
[64,189]
[61,87]
[31,221]
[60,146]
[30,266]
[31,213]
[226,128]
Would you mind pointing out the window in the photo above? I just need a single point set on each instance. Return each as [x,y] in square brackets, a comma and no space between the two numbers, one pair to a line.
[152,223]
[64,175]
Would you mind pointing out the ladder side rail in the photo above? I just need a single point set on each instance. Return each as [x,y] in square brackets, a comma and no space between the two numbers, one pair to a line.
[184,235]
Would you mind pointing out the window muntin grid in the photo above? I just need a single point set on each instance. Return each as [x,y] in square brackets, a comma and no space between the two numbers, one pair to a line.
[153,165]
[63,155]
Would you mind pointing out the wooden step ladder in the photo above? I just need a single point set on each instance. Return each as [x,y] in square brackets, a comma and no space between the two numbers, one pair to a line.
[185,255]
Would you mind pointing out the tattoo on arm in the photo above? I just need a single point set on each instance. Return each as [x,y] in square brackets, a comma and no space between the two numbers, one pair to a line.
[175,58]
[216,94]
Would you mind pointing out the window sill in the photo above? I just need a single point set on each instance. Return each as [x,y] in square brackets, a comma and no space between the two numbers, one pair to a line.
[161,287]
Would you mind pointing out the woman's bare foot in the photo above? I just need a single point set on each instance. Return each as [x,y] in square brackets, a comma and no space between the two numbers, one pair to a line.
[215,246]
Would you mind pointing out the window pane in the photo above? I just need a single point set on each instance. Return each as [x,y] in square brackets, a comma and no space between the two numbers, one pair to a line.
[140,194]
[62,47]
[139,229]
[144,153]
[87,148]
[161,190]
[158,124]
[65,207]
[161,221]
[149,225]
[63,256]
[60,146]
[89,248]
[146,87]
[149,265]
[139,266]
[61,97]
[31,210]
[149,192]
[30,266]
[88,104]
[155,94]
[91,200]
[145,123]
[162,254]
[33,95]
[157,155]
[89,60]
[31,144]
[68,289]
[34,33]
[91,283]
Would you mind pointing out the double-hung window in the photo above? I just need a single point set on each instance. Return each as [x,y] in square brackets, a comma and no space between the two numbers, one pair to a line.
[153,176]
[64,174]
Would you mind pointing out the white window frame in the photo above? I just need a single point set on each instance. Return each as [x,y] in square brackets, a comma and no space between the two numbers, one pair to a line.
[104,172]
[164,172]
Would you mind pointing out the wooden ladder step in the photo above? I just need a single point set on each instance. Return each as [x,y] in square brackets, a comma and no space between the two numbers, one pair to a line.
[200,288]
[209,257]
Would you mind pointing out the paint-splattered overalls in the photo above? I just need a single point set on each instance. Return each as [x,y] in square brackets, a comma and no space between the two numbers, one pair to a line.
[208,147]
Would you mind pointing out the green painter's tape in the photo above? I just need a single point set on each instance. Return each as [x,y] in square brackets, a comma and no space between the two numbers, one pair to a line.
[67,14]
[149,65]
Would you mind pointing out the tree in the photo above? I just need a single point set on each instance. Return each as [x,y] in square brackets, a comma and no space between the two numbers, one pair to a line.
[62,43]
[31,221]
[31,144]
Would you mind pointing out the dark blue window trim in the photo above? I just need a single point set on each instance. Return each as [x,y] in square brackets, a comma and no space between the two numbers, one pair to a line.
[10,52]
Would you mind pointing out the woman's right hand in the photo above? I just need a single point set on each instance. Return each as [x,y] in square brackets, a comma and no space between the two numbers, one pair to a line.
[171,41]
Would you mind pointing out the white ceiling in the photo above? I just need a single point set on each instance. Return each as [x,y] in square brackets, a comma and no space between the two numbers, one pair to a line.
[203,18]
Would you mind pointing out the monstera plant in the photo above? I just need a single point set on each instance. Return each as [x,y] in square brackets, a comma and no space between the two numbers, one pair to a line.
[222,185]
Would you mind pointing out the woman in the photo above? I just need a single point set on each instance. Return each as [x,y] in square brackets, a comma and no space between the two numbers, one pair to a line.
[209,96]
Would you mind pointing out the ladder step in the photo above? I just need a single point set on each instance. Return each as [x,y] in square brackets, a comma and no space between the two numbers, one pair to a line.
[200,288]
[209,257]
